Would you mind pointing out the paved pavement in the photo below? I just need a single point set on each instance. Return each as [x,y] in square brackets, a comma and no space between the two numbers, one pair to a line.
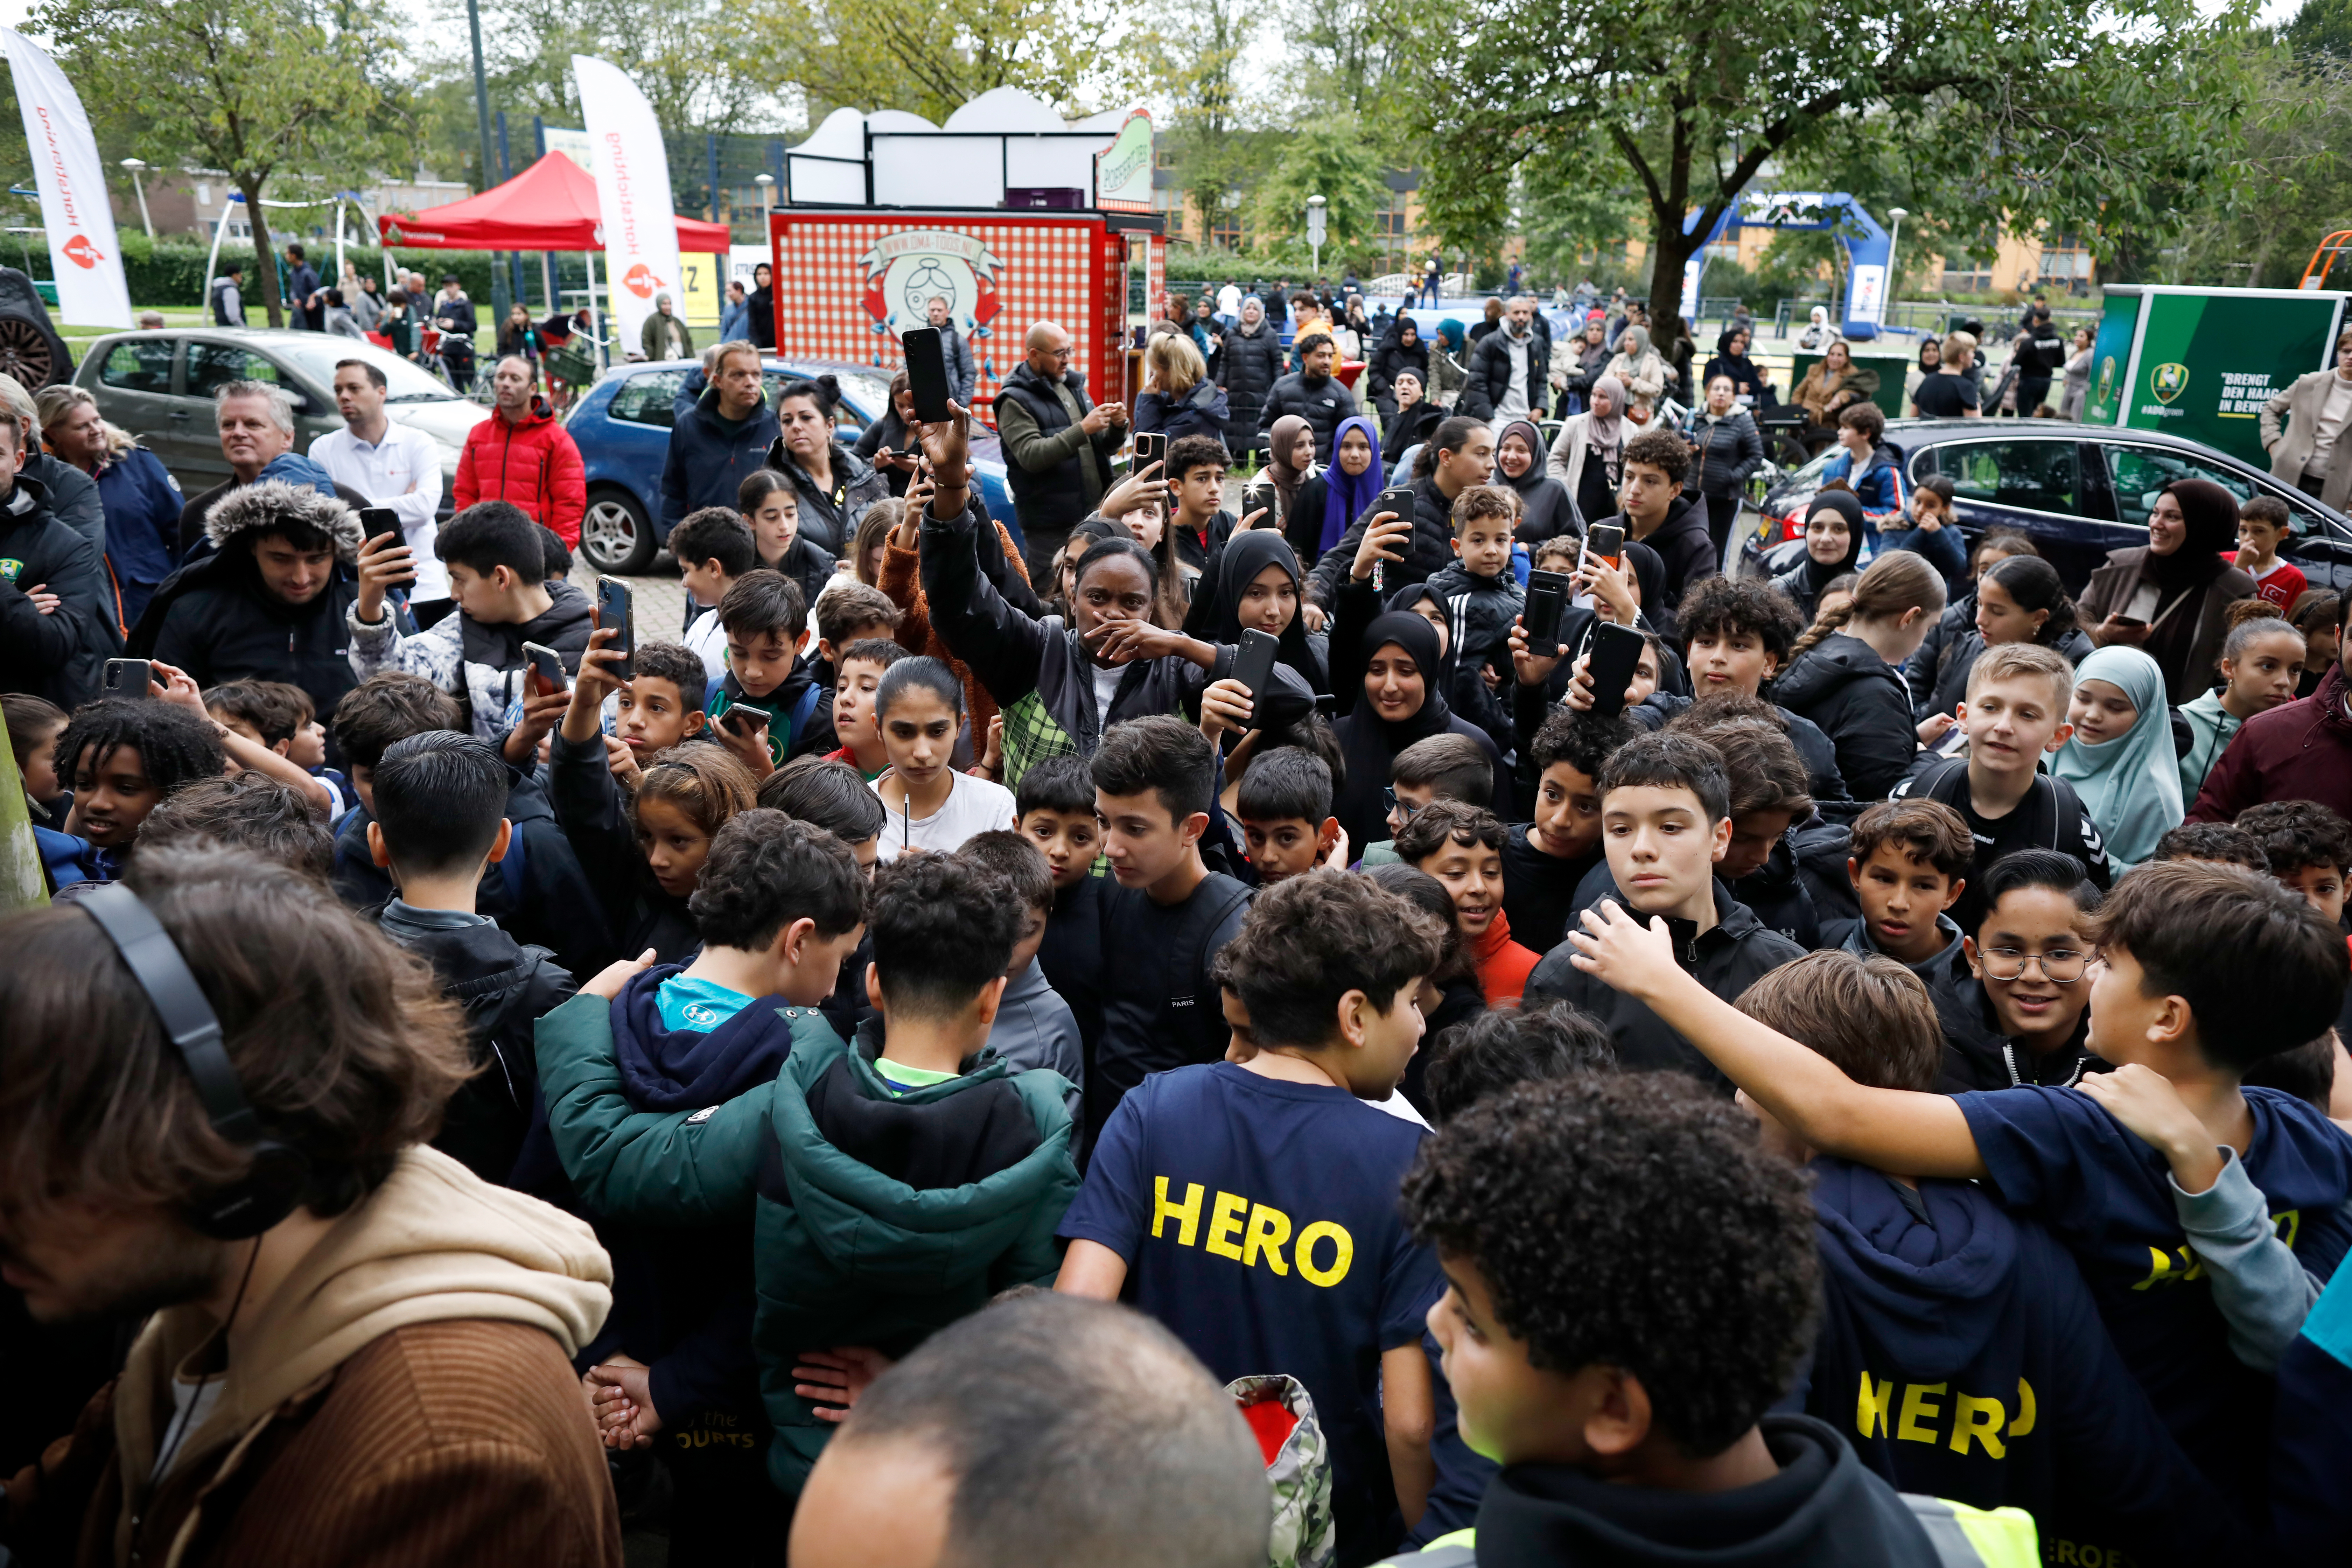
[660,597]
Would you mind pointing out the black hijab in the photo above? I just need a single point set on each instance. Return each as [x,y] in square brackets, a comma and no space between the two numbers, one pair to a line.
[2211,513]
[1818,575]
[1246,555]
[1370,743]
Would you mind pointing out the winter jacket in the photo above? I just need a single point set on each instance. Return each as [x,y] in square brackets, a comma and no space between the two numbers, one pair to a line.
[711,456]
[878,1218]
[72,496]
[665,338]
[962,373]
[1248,368]
[1039,673]
[761,322]
[1203,411]
[215,620]
[1686,551]
[829,519]
[1946,686]
[1746,377]
[1389,360]
[1729,450]
[1727,958]
[1480,613]
[228,303]
[1490,369]
[141,503]
[1056,470]
[1408,429]
[1036,1028]
[2297,751]
[810,566]
[1325,404]
[1859,701]
[541,894]
[1978,1056]
[478,663]
[890,431]
[534,464]
[504,988]
[1939,1286]
[58,656]
[1826,784]
[589,806]
[1879,488]
[420,1349]
[2110,591]
[902,581]
[1428,552]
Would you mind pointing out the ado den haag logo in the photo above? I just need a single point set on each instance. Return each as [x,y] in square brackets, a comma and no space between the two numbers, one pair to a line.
[907,270]
[2168,381]
[2106,380]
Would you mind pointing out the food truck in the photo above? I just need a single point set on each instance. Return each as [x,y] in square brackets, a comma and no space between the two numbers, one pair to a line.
[2200,363]
[1008,211]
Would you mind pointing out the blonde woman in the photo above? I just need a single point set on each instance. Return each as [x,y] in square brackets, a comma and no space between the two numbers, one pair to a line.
[139,504]
[1182,401]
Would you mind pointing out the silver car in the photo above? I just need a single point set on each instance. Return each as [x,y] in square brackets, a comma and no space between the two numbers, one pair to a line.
[159,387]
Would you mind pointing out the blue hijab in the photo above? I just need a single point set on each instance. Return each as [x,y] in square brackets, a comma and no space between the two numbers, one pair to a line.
[2131,784]
[1346,496]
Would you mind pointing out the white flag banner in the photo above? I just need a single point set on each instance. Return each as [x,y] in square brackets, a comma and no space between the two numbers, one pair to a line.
[83,255]
[632,170]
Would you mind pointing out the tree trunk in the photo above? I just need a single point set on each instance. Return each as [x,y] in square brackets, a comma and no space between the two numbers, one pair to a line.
[1673,249]
[264,264]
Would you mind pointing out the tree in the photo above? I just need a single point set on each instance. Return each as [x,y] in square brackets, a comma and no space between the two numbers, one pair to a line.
[1195,49]
[258,89]
[2076,111]
[911,55]
[1330,158]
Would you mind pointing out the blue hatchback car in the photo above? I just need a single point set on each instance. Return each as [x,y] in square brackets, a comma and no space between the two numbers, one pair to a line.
[622,428]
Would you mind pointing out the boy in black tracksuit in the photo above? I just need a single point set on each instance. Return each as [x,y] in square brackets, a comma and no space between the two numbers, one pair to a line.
[1960,1350]
[1481,598]
[441,802]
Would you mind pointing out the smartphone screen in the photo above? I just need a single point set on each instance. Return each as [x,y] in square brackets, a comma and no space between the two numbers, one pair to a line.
[615,608]
[927,374]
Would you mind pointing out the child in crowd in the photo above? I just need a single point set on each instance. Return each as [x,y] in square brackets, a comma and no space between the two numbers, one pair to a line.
[859,675]
[1251,1207]
[829,794]
[2318,615]
[2019,598]
[2120,757]
[1284,807]
[2014,1005]
[948,1173]
[1665,813]
[1928,526]
[245,810]
[1490,1053]
[659,707]
[1739,634]
[1633,1282]
[2308,847]
[2017,704]
[1767,800]
[932,805]
[1453,994]
[1909,860]
[1866,466]
[121,756]
[1035,1027]
[1846,672]
[498,576]
[439,823]
[1481,596]
[1930,1285]
[2262,663]
[1055,802]
[642,855]
[766,623]
[849,612]
[1461,845]
[2203,971]
[713,549]
[2264,524]
[2222,843]
[772,511]
[1434,768]
[278,714]
[1546,860]
[34,725]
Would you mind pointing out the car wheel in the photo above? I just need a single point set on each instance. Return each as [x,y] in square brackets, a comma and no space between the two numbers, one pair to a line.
[616,535]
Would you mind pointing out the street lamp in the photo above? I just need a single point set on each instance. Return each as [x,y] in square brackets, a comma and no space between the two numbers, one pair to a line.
[1898,214]
[767,184]
[1315,209]
[135,166]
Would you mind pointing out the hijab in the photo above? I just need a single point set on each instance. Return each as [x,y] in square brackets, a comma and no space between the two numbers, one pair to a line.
[1526,483]
[1238,565]
[1369,744]
[1818,575]
[2131,784]
[1634,343]
[1609,432]
[1280,442]
[1346,496]
[1402,602]
[2211,516]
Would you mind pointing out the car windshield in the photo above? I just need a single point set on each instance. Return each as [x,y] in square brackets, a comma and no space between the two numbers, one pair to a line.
[405,382]
[864,394]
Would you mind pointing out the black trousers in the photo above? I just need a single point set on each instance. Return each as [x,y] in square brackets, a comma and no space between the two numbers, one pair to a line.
[1722,513]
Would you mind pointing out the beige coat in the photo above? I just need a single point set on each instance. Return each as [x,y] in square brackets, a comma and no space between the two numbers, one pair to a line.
[2290,450]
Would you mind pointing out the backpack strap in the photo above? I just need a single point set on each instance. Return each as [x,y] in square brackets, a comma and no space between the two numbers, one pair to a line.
[801,711]
[1198,929]
[515,866]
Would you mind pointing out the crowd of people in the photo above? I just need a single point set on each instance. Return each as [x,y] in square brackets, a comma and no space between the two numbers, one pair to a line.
[1152,1030]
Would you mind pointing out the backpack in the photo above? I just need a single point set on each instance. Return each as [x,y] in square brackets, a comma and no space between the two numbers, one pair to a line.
[1280,1413]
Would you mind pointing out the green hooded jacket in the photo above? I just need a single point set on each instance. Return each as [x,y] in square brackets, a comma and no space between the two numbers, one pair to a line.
[843,1254]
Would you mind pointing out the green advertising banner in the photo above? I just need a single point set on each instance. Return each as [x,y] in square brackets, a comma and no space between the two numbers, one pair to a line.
[2207,360]
[2111,359]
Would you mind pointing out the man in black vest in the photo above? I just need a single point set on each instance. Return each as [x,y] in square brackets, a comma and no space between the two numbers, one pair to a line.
[1060,445]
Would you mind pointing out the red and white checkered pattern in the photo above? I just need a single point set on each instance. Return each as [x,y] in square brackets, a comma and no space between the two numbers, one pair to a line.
[1050,269]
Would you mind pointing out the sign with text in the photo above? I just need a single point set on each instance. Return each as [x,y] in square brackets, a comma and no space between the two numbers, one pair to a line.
[2201,363]
[633,197]
[83,256]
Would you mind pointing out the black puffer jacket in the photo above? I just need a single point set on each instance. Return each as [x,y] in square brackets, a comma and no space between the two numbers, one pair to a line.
[1250,365]
[1430,551]
[1324,403]
[1729,450]
[57,656]
[1389,360]
[1861,703]
[829,518]
[1490,374]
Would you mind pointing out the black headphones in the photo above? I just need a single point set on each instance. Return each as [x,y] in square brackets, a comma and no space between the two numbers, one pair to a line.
[280,1173]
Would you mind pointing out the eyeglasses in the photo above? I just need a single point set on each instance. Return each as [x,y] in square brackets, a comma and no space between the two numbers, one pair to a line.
[1389,799]
[2062,968]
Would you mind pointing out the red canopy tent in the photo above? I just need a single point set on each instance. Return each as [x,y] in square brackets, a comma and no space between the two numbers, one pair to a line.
[551,205]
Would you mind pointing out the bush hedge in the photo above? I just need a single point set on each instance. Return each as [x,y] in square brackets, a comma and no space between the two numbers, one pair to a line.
[172,271]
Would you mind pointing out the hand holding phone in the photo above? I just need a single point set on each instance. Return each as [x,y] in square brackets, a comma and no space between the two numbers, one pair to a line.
[1616,655]
[1547,595]
[1150,446]
[127,677]
[384,563]
[546,669]
[615,608]
[1254,664]
[927,374]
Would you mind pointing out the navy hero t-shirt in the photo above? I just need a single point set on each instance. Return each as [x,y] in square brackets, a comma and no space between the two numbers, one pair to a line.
[2105,1195]
[1259,1222]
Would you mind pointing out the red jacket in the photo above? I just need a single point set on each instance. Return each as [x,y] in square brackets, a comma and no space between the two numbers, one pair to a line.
[533,464]
[2298,751]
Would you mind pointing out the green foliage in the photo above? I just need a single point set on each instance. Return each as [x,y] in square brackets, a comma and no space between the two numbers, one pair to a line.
[171,272]
[1330,158]
[908,53]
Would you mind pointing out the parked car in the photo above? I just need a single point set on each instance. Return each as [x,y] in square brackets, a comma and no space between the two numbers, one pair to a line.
[621,426]
[2078,491]
[158,386]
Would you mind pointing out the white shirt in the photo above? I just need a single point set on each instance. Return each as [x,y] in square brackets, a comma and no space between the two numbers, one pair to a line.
[402,471]
[707,640]
[1107,679]
[1229,299]
[972,805]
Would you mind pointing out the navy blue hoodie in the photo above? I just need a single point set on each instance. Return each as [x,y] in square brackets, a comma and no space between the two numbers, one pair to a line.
[1962,1356]
[682,1294]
